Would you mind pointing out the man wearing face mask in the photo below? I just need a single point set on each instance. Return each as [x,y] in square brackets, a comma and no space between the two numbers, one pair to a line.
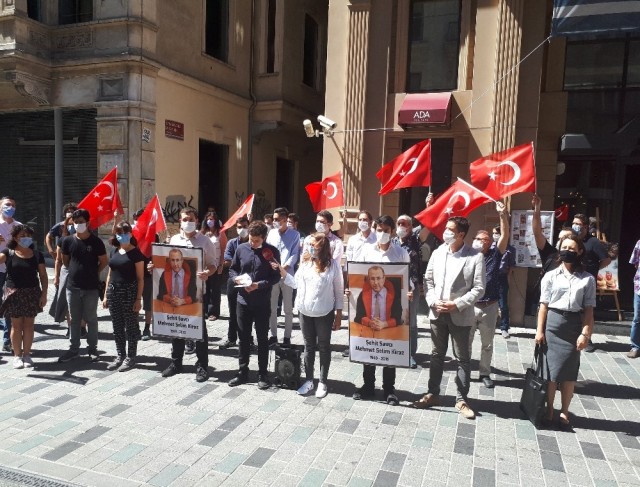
[384,250]
[56,231]
[7,208]
[324,220]
[486,308]
[287,241]
[507,264]
[455,280]
[189,236]
[363,236]
[84,255]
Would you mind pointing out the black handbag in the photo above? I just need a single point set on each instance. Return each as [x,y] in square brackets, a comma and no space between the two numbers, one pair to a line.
[533,402]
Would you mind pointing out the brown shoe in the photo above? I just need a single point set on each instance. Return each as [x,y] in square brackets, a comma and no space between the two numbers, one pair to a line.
[464,409]
[633,353]
[427,401]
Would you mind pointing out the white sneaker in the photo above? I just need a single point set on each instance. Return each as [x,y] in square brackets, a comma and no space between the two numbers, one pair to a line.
[18,363]
[321,391]
[28,361]
[305,388]
[505,334]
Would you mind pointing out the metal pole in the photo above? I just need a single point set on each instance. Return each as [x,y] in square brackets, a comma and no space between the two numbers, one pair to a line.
[57,127]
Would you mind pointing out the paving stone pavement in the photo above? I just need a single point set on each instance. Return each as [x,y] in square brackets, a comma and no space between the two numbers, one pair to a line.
[79,424]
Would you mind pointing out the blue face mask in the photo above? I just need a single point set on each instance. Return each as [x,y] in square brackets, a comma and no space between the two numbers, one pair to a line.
[25,241]
[8,211]
[312,251]
[123,238]
[211,223]
[576,228]
[71,229]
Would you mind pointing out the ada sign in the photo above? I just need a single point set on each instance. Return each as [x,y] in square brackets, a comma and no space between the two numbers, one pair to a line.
[421,116]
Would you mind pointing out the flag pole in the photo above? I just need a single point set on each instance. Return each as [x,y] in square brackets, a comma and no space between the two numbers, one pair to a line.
[479,191]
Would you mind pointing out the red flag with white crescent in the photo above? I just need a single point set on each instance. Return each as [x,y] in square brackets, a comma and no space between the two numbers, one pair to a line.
[327,193]
[148,225]
[243,210]
[409,169]
[103,200]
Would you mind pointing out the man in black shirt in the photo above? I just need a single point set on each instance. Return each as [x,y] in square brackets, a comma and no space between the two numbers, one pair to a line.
[595,253]
[85,256]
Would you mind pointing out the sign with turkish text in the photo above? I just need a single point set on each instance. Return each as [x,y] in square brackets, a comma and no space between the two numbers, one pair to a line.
[522,238]
[173,129]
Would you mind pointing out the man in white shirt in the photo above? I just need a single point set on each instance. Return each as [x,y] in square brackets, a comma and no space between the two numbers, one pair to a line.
[324,221]
[7,209]
[364,236]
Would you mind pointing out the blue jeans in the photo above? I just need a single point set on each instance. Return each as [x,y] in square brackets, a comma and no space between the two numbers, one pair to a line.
[503,301]
[635,325]
[4,322]
[83,305]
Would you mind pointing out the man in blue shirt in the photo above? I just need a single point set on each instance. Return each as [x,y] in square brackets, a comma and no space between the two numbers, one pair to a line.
[507,263]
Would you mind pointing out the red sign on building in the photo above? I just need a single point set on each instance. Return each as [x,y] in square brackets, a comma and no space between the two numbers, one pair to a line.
[174,130]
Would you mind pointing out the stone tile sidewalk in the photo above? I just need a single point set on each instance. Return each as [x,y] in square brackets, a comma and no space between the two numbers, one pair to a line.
[78,424]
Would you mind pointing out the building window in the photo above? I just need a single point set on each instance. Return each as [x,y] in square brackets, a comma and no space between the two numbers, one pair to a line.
[434,41]
[75,11]
[602,78]
[271,36]
[310,62]
[217,29]
[34,10]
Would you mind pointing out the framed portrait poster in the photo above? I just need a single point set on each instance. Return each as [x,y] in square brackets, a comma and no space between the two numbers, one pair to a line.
[177,291]
[379,313]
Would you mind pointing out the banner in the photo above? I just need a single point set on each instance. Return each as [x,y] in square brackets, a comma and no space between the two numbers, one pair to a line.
[522,236]
[379,313]
[177,291]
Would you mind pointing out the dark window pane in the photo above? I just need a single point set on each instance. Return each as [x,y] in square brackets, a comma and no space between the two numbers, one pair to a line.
[271,36]
[594,65]
[310,63]
[593,112]
[633,76]
[631,105]
[34,10]
[75,11]
[216,43]
[433,45]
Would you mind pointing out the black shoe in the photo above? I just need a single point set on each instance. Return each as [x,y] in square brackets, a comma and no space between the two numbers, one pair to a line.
[392,399]
[546,423]
[345,353]
[146,334]
[263,382]
[83,332]
[67,333]
[127,364]
[227,344]
[273,342]
[190,347]
[93,354]
[253,348]
[286,342]
[68,356]
[201,374]
[590,348]
[7,348]
[238,380]
[364,393]
[488,383]
[117,362]
[173,369]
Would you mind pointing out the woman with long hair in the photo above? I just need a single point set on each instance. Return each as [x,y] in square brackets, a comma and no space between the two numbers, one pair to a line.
[319,302]
[565,323]
[25,292]
[123,296]
[211,228]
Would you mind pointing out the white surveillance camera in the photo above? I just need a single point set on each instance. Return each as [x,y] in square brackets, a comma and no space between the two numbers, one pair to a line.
[326,123]
[308,128]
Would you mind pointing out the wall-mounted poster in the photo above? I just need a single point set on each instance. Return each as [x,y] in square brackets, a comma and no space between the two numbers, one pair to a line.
[607,279]
[522,236]
[177,291]
[379,313]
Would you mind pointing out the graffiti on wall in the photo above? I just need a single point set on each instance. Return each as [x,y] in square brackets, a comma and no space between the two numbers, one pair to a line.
[261,205]
[174,204]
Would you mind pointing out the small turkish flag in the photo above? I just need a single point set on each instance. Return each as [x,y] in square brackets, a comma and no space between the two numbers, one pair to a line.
[103,200]
[562,213]
[505,173]
[409,169]
[244,210]
[459,200]
[327,193]
[148,225]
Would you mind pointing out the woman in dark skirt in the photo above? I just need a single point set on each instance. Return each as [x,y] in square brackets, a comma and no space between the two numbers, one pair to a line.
[565,322]
[25,292]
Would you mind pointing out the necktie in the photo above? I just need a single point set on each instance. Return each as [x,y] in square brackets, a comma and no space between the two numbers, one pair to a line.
[176,284]
[376,306]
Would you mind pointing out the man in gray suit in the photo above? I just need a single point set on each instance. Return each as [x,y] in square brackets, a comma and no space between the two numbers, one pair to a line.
[454,281]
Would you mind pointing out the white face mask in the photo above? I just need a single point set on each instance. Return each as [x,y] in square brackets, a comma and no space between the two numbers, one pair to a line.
[382,237]
[321,227]
[477,245]
[402,232]
[188,227]
[276,225]
[496,237]
[289,225]
[363,226]
[448,237]
[80,227]
[243,233]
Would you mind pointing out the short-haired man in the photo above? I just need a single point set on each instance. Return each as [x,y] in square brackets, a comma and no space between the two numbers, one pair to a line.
[254,259]
[507,264]
[324,221]
[189,236]
[287,241]
[378,306]
[293,221]
[57,231]
[486,308]
[454,282]
[177,286]
[7,210]
[363,236]
[85,255]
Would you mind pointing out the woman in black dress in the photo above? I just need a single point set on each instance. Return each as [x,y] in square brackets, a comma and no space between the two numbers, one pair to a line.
[25,292]
[565,322]
[125,283]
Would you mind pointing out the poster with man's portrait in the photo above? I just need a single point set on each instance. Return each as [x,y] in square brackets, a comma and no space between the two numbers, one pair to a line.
[379,313]
[177,292]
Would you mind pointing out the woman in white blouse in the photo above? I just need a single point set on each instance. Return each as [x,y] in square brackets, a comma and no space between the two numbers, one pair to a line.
[565,322]
[319,303]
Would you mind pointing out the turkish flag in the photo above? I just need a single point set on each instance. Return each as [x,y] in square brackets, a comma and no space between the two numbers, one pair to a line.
[505,173]
[562,213]
[409,169]
[148,225]
[459,200]
[244,210]
[327,193]
[103,200]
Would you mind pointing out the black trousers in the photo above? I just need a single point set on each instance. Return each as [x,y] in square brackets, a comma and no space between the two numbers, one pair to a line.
[232,298]
[202,351]
[248,314]
[388,378]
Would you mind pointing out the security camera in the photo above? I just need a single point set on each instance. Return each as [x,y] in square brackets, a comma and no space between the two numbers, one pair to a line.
[326,123]
[308,128]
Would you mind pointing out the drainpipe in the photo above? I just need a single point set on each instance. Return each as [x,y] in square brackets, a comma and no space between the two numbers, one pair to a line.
[253,101]
[58,155]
